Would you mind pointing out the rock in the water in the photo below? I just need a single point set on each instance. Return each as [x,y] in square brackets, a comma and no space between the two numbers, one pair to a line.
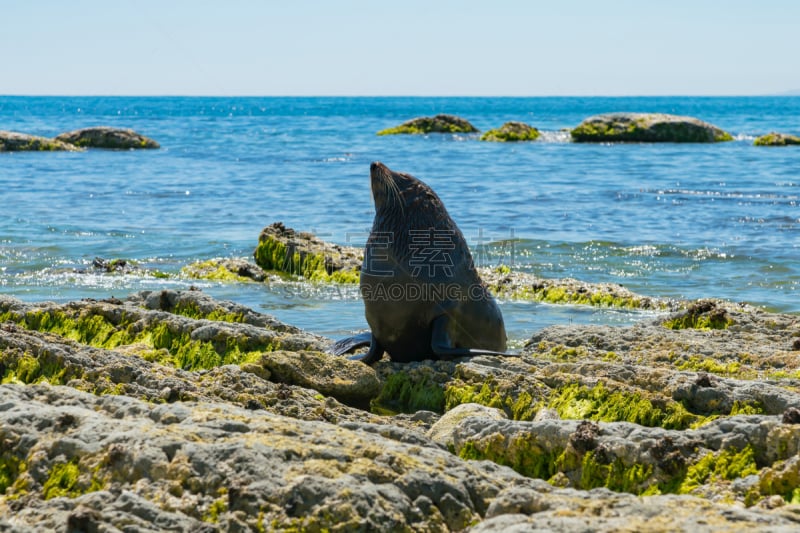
[106,137]
[777,139]
[510,132]
[437,124]
[225,269]
[647,127]
[12,141]
[296,253]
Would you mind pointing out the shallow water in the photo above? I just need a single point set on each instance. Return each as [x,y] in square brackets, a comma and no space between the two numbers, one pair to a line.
[672,220]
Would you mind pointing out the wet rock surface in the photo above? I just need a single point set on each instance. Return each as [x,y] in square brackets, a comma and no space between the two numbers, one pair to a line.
[777,139]
[511,132]
[109,138]
[173,410]
[441,123]
[647,127]
[12,141]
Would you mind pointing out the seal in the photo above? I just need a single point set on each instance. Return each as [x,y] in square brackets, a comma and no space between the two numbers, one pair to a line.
[423,297]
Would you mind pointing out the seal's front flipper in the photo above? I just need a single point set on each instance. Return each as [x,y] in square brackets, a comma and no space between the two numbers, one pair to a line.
[350,343]
[443,347]
[357,341]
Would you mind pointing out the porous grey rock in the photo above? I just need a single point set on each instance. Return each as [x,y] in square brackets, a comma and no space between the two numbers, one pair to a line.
[204,411]
[116,462]
[108,137]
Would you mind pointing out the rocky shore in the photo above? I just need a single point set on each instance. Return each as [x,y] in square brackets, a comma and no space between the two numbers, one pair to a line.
[170,410]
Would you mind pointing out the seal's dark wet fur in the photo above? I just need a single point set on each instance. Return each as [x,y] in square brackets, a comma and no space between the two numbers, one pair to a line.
[422,295]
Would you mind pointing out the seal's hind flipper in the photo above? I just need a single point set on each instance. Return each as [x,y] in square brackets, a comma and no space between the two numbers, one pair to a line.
[443,347]
[357,341]
[350,343]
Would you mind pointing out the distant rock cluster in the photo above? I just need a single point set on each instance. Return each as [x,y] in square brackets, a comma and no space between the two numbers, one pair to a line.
[609,127]
[77,140]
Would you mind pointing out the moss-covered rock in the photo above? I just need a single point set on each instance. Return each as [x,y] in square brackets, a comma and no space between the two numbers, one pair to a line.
[298,254]
[647,127]
[11,141]
[511,132]
[109,138]
[438,124]
[703,314]
[225,270]
[777,139]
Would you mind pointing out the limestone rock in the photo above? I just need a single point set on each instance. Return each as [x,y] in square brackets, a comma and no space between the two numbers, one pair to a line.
[647,127]
[11,141]
[438,124]
[107,137]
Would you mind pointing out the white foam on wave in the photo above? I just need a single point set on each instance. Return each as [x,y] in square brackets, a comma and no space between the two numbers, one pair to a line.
[558,136]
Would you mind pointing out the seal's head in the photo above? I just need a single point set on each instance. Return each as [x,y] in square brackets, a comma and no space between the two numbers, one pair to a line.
[402,195]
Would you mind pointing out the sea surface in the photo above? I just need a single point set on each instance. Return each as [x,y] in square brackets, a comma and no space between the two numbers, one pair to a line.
[667,220]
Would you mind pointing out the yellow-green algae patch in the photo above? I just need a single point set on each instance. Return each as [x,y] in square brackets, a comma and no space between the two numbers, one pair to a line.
[517,406]
[402,393]
[212,270]
[28,369]
[575,401]
[163,345]
[192,310]
[704,314]
[777,139]
[10,469]
[64,479]
[511,132]
[536,458]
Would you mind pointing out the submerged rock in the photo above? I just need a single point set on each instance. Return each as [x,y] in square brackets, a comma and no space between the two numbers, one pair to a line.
[647,127]
[777,139]
[510,132]
[438,124]
[11,141]
[106,137]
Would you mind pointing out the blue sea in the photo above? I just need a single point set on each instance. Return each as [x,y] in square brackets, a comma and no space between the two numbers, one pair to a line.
[667,220]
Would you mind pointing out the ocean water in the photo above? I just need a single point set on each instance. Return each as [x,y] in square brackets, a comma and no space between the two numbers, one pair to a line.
[669,220]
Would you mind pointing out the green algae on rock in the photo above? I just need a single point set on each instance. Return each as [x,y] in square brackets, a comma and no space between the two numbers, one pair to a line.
[511,132]
[777,139]
[109,138]
[647,127]
[703,314]
[438,124]
[299,254]
[12,141]
[225,270]
[514,285]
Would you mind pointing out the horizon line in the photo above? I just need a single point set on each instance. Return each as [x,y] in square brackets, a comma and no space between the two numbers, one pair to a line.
[248,95]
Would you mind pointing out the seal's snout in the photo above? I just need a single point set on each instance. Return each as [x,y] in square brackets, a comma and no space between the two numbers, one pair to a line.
[377,168]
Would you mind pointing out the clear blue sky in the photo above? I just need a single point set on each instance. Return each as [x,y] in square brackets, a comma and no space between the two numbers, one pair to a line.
[408,47]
